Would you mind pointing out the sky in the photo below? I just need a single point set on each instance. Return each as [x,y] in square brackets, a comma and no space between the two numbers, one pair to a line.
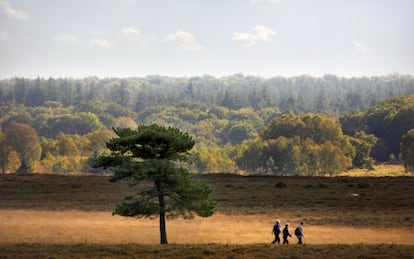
[128,38]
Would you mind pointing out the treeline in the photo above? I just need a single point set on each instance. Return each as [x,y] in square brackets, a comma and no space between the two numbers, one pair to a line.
[301,94]
[237,121]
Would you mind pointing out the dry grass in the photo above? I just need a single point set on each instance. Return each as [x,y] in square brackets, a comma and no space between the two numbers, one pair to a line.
[381,170]
[23,226]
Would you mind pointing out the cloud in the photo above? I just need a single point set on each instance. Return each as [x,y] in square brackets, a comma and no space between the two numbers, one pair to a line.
[100,43]
[135,35]
[4,36]
[185,40]
[359,47]
[65,38]
[131,31]
[260,34]
[246,39]
[8,12]
[263,33]
[254,2]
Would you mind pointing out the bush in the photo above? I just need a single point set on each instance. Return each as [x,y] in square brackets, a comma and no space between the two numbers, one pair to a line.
[280,185]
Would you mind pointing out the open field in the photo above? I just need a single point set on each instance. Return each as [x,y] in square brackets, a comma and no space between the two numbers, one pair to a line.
[347,201]
[70,216]
[21,226]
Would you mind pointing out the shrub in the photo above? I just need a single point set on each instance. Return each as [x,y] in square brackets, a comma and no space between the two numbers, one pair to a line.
[280,185]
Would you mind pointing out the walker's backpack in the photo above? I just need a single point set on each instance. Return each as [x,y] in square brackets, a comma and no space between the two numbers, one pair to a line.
[297,231]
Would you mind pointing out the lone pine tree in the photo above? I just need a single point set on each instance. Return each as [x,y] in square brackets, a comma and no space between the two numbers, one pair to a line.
[157,155]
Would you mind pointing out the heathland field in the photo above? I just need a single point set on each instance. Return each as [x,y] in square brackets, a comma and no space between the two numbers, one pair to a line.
[58,216]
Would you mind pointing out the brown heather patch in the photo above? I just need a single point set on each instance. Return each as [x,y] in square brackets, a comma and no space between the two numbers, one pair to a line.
[337,201]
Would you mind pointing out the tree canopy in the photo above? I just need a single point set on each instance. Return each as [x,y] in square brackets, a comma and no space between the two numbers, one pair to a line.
[24,140]
[388,121]
[156,154]
[72,117]
[305,145]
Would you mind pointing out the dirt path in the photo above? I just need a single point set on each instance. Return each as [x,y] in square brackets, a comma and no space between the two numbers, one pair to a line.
[17,226]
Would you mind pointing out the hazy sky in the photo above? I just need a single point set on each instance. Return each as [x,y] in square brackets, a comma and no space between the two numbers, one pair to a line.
[105,38]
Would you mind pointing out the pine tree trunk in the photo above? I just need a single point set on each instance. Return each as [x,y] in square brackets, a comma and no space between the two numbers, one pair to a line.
[163,232]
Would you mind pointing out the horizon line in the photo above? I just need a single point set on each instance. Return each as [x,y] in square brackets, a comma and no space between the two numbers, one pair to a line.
[207,75]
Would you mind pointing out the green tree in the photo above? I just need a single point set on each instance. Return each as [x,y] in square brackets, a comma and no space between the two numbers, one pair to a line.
[389,121]
[23,139]
[305,145]
[213,159]
[250,155]
[312,152]
[288,125]
[237,131]
[407,150]
[156,154]
[65,145]
[333,160]
[321,128]
[362,144]
[352,122]
[80,123]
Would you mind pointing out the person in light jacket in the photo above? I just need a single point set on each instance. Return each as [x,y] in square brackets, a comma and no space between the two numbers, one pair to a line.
[299,233]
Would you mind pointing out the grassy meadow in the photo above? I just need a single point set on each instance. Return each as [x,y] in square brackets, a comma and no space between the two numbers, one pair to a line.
[69,216]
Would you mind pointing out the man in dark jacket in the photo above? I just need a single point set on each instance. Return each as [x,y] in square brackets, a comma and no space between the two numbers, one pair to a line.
[276,231]
[286,234]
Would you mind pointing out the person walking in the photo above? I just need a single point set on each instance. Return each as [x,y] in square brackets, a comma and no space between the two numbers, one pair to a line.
[299,233]
[286,235]
[276,231]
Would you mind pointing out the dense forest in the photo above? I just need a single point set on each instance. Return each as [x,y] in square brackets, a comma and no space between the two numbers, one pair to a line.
[300,125]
